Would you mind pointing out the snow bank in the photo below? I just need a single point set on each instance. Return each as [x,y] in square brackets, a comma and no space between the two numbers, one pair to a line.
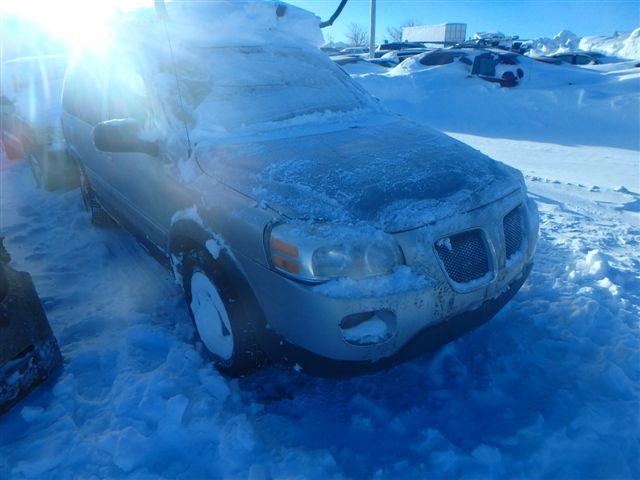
[563,41]
[622,45]
[561,104]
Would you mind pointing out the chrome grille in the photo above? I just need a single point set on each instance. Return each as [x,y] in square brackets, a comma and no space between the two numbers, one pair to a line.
[512,225]
[464,256]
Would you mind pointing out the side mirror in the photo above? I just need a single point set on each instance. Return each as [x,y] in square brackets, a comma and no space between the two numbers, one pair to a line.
[122,135]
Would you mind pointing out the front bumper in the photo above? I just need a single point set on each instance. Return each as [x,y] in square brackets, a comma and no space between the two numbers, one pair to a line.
[311,319]
[427,340]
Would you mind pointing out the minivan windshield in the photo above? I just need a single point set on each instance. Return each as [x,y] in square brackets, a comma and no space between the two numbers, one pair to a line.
[232,87]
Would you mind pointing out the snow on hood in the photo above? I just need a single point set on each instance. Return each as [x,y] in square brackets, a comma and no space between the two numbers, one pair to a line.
[395,176]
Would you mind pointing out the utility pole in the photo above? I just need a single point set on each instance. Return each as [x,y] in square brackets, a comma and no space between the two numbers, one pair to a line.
[372,30]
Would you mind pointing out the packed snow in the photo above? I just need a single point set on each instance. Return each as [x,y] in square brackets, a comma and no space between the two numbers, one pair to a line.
[548,388]
[559,104]
[621,44]
[624,45]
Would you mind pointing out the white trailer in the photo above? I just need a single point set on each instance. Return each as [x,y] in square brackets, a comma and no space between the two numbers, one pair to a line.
[436,35]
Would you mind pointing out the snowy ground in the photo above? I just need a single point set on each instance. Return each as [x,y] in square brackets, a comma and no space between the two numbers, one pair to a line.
[548,388]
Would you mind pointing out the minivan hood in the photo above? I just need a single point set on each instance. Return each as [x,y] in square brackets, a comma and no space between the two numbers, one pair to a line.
[396,176]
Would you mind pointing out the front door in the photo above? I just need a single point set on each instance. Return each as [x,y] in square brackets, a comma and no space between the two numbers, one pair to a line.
[146,185]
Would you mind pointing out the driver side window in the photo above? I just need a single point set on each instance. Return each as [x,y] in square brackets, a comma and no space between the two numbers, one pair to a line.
[128,96]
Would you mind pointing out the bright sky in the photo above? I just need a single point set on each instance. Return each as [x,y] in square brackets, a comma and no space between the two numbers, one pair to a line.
[82,19]
[72,19]
[527,18]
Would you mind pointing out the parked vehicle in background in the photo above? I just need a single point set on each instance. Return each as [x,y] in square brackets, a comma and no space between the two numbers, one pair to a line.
[31,91]
[578,58]
[499,42]
[301,219]
[357,65]
[330,51]
[29,352]
[584,59]
[544,59]
[355,50]
[494,66]
[392,46]
[399,56]
[384,62]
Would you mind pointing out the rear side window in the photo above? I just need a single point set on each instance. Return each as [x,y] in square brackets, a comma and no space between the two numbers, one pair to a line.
[127,95]
[508,59]
[485,65]
[565,58]
[440,58]
[583,60]
[84,90]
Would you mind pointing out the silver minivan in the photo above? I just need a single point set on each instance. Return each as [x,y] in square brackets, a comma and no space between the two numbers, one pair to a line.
[303,220]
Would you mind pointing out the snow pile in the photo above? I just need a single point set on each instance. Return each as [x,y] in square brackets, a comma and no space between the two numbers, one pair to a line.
[597,266]
[563,41]
[552,103]
[494,35]
[622,45]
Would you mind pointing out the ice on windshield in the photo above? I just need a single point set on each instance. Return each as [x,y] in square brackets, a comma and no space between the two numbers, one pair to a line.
[232,87]
[239,63]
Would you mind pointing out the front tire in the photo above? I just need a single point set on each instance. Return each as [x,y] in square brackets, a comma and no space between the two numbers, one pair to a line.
[221,322]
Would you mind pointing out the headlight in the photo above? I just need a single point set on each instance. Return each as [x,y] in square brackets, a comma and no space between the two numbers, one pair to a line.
[325,251]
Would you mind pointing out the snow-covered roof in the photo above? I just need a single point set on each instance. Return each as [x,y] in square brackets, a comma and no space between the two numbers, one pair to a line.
[226,23]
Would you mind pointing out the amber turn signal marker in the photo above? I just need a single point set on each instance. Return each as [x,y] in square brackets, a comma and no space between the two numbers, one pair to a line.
[287,265]
[284,247]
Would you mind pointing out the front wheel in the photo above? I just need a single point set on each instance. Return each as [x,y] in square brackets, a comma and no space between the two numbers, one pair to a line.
[221,322]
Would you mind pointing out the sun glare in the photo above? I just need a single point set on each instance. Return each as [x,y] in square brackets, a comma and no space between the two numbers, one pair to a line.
[76,22]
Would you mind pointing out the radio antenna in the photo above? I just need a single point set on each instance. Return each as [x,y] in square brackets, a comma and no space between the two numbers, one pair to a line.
[161,9]
[336,14]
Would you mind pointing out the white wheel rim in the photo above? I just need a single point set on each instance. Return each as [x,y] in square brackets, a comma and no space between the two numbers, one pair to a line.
[211,318]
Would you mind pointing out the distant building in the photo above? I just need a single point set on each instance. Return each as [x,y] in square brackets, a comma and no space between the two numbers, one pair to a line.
[436,35]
